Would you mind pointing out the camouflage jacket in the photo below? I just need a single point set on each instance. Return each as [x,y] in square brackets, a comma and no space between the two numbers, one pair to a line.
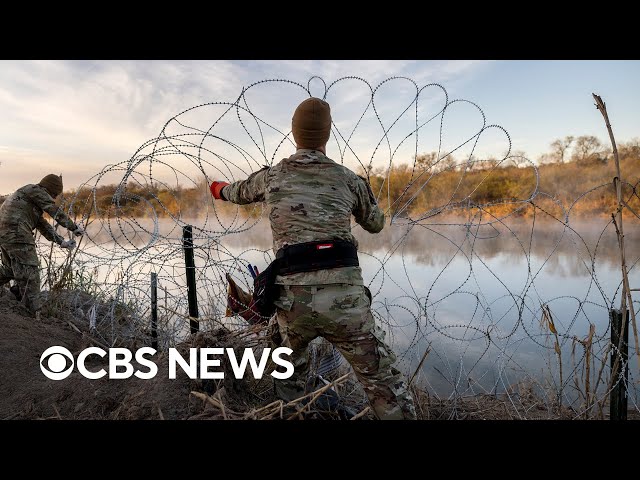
[22,211]
[310,197]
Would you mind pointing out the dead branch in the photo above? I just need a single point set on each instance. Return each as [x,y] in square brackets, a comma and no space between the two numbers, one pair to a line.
[617,183]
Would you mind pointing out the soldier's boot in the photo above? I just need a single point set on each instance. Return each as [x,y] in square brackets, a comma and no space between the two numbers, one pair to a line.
[328,400]
[15,289]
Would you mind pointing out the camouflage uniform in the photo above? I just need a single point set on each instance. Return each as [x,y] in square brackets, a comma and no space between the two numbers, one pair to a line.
[20,214]
[310,198]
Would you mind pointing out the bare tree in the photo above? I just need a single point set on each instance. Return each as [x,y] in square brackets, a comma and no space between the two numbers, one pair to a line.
[559,148]
[630,148]
[446,162]
[426,160]
[587,148]
[517,158]
[489,163]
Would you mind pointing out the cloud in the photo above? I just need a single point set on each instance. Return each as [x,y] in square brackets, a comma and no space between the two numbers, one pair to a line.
[374,71]
[79,116]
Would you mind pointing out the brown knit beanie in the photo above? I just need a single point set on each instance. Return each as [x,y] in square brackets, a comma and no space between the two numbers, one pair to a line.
[311,123]
[53,184]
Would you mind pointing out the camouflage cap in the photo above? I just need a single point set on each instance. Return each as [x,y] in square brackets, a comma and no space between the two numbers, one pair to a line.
[311,123]
[53,184]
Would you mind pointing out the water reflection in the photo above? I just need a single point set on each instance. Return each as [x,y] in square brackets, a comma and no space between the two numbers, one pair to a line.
[475,297]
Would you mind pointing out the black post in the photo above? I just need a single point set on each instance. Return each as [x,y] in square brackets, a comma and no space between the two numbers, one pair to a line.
[187,242]
[619,367]
[154,311]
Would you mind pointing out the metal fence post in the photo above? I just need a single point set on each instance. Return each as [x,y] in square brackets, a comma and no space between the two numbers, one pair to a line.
[619,366]
[192,297]
[154,311]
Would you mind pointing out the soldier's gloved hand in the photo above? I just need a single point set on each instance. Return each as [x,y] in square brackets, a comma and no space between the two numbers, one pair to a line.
[68,244]
[216,190]
[78,232]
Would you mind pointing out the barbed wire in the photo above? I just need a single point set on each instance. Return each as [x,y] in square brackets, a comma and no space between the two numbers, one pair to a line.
[484,288]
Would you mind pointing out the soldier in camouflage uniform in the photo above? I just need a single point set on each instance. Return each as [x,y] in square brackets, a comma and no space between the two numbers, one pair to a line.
[20,214]
[311,198]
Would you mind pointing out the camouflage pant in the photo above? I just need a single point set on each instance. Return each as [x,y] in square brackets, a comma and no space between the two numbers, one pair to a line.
[20,263]
[341,314]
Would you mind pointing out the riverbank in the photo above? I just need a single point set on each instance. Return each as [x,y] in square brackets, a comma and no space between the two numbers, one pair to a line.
[28,394]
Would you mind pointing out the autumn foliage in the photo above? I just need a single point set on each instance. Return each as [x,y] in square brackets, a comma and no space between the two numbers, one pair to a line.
[565,182]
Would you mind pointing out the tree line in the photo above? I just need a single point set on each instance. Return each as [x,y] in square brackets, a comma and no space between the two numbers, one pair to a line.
[567,174]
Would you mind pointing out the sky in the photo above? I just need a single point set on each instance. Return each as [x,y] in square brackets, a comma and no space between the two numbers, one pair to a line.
[79,117]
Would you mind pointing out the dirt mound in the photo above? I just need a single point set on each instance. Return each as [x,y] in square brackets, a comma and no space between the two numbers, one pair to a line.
[28,394]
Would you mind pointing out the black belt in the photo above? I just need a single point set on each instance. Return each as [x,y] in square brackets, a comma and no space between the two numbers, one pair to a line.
[320,255]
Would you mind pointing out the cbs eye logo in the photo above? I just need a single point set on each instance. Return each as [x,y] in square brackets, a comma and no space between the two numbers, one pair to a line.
[56,363]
